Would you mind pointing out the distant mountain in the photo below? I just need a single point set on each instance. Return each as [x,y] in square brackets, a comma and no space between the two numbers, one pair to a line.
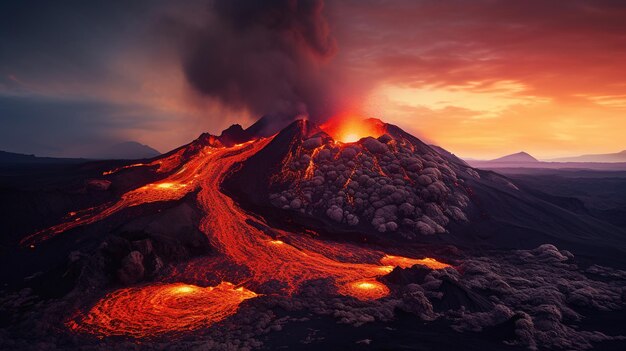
[15,158]
[614,157]
[524,160]
[129,150]
[518,157]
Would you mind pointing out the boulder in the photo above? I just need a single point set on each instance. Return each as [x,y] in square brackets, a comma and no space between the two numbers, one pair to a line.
[132,270]
[99,184]
[374,146]
[295,204]
[312,143]
[335,213]
[348,153]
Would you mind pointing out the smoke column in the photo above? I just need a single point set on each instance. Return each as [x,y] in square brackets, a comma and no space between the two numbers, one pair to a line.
[263,56]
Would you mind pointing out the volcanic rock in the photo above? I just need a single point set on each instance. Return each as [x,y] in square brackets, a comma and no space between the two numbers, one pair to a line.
[374,146]
[312,143]
[132,269]
[99,184]
[370,180]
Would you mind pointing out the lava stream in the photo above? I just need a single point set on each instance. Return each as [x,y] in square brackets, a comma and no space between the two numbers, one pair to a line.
[289,263]
[291,260]
[172,188]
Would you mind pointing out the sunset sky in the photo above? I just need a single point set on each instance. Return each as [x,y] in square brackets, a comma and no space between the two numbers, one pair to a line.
[480,78]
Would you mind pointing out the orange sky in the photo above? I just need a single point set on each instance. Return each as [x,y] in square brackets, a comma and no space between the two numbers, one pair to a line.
[493,122]
[481,78]
[488,78]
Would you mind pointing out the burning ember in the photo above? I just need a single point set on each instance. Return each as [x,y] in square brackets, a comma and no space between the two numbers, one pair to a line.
[158,309]
[348,128]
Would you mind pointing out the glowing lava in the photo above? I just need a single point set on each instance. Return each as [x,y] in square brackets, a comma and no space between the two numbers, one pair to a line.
[348,128]
[248,255]
[163,165]
[158,309]
[365,289]
[172,188]
[405,262]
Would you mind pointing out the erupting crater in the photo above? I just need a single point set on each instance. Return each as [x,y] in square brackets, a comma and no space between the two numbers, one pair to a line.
[349,128]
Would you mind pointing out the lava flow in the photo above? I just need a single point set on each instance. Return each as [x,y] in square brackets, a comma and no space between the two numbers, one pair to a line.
[173,188]
[405,262]
[161,309]
[290,260]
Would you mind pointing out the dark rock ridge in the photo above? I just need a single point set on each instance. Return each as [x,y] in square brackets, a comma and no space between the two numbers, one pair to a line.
[235,134]
[12,158]
[129,150]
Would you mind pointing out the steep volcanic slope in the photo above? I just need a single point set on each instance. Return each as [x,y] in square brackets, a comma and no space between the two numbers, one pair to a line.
[393,183]
[396,183]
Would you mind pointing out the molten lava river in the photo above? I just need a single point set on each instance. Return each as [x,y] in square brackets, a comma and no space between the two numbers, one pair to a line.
[162,308]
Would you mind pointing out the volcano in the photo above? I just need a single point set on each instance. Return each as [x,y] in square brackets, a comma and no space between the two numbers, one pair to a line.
[230,239]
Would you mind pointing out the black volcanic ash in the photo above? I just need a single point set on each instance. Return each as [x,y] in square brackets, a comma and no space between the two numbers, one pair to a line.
[262,56]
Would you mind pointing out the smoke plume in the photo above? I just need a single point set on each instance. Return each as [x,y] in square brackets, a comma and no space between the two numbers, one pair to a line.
[263,56]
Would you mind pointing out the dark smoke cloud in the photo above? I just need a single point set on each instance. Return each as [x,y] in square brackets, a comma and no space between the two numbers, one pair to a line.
[264,56]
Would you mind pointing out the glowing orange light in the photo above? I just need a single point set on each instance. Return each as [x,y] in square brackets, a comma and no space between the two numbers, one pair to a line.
[366,289]
[124,167]
[184,289]
[351,137]
[386,269]
[163,308]
[405,262]
[348,128]
[276,242]
[366,285]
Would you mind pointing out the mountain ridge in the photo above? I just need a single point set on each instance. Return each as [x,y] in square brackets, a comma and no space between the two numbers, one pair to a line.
[602,158]
[516,157]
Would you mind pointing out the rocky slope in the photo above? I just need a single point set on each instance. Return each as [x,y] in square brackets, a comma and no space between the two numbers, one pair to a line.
[382,182]
[395,183]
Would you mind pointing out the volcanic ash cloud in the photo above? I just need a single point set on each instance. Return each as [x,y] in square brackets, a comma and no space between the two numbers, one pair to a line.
[262,56]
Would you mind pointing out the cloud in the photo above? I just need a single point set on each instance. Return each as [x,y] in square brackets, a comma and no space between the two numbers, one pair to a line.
[67,128]
[266,57]
[433,67]
[484,78]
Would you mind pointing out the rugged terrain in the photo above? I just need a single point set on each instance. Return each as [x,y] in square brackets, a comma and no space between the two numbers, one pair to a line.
[255,239]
